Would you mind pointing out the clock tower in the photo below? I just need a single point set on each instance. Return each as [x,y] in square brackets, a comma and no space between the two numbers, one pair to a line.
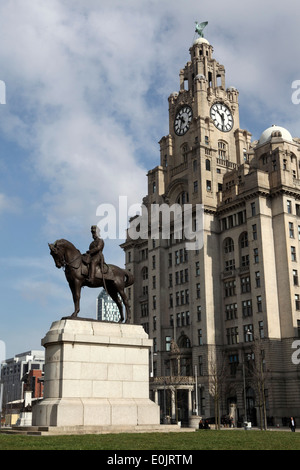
[204,139]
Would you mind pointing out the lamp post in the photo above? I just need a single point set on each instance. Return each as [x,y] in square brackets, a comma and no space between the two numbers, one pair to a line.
[248,334]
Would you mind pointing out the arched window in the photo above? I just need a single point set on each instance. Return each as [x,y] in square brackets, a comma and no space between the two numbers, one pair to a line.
[183,198]
[184,151]
[222,150]
[228,245]
[184,342]
[244,240]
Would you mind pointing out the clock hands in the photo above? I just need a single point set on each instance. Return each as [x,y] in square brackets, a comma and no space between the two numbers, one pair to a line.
[182,120]
[222,118]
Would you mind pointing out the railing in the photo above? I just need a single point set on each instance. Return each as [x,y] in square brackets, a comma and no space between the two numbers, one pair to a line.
[177,169]
[227,163]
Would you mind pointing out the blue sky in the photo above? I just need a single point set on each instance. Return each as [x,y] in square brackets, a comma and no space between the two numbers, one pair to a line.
[87,86]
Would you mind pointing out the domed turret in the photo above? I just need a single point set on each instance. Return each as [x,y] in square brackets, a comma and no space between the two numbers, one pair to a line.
[275,131]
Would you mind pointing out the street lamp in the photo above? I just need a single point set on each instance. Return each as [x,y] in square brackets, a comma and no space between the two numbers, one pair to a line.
[249,334]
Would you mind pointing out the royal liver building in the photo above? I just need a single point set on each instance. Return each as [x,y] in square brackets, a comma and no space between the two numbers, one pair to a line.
[224,312]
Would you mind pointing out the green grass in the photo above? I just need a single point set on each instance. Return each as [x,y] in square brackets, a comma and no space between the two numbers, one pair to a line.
[200,440]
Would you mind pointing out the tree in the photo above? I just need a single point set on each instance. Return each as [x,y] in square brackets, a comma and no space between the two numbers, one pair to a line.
[258,374]
[217,375]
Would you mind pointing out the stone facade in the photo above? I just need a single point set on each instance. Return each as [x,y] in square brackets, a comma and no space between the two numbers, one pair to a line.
[223,317]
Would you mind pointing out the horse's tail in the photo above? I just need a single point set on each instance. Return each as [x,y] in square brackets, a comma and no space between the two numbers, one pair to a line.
[129,279]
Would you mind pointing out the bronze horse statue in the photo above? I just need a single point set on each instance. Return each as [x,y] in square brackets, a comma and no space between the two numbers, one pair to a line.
[67,256]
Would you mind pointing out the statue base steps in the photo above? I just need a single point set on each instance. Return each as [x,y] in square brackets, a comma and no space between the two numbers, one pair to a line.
[96,374]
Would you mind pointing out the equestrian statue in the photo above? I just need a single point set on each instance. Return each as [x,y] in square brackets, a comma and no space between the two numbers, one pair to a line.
[89,269]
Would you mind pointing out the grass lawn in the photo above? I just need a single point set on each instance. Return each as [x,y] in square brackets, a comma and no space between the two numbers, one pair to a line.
[200,440]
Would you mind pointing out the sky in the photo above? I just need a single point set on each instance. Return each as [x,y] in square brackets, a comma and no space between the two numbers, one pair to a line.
[84,102]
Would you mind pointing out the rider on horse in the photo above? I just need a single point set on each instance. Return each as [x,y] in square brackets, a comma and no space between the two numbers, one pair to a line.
[95,254]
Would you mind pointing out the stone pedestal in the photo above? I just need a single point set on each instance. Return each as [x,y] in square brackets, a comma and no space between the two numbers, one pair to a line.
[96,374]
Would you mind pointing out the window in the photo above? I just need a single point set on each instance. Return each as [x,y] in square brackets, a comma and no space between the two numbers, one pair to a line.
[195,186]
[153,282]
[295,277]
[154,302]
[257,279]
[259,304]
[230,288]
[244,240]
[154,188]
[222,150]
[168,343]
[245,284]
[229,265]
[228,245]
[297,301]
[208,185]
[231,311]
[254,232]
[200,342]
[293,253]
[144,309]
[183,198]
[291,230]
[145,290]
[153,262]
[197,268]
[247,308]
[255,254]
[248,333]
[207,164]
[245,261]
[261,329]
[199,313]
[198,290]
[232,335]
[289,207]
[233,363]
[253,209]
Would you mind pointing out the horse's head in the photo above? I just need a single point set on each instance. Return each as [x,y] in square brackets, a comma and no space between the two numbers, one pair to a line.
[57,253]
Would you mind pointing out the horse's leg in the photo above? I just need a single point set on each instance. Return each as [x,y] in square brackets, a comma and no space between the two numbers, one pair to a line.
[125,301]
[75,287]
[113,292]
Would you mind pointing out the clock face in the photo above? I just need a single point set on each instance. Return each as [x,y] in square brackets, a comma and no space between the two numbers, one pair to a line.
[222,117]
[182,120]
